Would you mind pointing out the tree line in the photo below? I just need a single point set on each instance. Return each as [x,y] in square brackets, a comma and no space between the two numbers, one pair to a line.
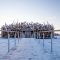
[24,27]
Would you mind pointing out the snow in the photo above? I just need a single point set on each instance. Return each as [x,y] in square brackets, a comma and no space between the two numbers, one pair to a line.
[29,49]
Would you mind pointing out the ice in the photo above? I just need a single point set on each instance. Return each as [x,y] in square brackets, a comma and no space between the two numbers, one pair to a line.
[29,49]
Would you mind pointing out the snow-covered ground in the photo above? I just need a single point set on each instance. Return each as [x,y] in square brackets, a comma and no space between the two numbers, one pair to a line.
[30,49]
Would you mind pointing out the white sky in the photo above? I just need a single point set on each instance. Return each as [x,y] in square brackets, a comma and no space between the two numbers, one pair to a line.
[30,10]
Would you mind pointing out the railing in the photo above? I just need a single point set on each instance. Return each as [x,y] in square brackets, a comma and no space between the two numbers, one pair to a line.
[18,37]
[9,38]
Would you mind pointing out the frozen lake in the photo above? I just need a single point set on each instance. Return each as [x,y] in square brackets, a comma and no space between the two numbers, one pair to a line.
[30,49]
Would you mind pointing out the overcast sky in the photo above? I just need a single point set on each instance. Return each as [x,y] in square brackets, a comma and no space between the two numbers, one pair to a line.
[41,11]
